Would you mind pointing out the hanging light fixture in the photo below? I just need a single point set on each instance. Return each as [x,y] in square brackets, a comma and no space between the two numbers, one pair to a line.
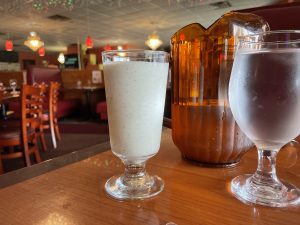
[89,42]
[61,58]
[42,51]
[33,41]
[153,41]
[9,45]
[107,47]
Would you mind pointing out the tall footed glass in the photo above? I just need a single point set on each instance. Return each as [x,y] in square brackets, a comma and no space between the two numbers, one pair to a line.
[135,85]
[264,96]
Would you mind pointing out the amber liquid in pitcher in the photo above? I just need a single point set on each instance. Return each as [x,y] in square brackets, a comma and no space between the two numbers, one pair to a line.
[203,127]
[210,134]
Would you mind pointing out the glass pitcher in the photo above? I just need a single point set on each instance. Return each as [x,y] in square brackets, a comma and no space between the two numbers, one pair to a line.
[203,127]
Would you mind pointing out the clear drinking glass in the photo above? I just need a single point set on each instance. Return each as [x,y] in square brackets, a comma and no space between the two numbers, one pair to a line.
[135,86]
[13,84]
[264,95]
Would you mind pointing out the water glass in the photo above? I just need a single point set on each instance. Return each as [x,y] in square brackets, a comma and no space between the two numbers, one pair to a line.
[13,84]
[264,96]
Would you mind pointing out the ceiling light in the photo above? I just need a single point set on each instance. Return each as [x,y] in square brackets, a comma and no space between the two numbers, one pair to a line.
[120,48]
[9,45]
[42,51]
[153,41]
[33,41]
[107,47]
[89,42]
[61,58]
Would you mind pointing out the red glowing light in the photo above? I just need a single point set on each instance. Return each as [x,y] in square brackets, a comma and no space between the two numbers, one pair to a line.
[107,47]
[9,45]
[42,51]
[89,42]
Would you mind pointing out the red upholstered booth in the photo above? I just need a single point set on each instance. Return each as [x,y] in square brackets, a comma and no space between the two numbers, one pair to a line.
[101,109]
[43,74]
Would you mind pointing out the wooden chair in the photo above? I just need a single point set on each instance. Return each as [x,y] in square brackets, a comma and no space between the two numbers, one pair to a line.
[49,117]
[23,133]
[40,129]
[53,103]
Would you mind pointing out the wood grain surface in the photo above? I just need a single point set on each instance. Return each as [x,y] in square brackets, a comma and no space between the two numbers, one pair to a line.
[74,194]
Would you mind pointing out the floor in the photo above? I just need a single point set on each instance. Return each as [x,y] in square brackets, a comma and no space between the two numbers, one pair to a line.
[76,134]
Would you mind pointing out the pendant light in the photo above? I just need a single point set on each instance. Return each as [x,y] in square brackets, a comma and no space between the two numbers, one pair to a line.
[61,58]
[9,45]
[42,51]
[107,47]
[89,40]
[153,41]
[33,41]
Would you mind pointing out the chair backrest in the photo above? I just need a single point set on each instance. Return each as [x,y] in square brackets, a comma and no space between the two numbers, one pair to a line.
[31,109]
[44,90]
[53,98]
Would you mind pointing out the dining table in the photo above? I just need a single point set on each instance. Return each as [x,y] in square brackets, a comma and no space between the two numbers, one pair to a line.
[69,190]
[88,91]
[8,96]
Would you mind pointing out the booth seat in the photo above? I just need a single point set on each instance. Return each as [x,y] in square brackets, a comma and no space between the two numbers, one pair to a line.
[101,109]
[36,74]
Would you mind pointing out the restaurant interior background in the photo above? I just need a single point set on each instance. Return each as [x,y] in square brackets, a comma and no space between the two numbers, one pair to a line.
[71,34]
[63,25]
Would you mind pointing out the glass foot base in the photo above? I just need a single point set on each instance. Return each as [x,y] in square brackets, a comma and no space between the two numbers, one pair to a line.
[141,188]
[242,189]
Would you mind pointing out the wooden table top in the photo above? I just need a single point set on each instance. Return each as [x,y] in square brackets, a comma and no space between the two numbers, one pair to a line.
[85,87]
[74,194]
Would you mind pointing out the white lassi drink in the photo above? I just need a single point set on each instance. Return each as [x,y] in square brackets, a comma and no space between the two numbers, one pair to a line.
[135,94]
[135,85]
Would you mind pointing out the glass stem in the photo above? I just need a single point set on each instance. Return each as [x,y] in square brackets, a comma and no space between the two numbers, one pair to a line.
[266,167]
[134,173]
[135,170]
[265,181]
